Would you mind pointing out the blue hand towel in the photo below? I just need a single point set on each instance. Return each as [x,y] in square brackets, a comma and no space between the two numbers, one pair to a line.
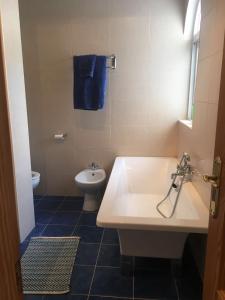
[86,65]
[90,91]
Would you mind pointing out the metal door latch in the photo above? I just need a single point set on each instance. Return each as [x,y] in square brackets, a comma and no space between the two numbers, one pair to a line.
[214,180]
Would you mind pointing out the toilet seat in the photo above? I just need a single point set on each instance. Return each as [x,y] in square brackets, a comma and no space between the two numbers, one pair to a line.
[35,179]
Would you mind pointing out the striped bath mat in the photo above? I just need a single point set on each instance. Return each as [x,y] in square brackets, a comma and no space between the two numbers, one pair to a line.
[47,265]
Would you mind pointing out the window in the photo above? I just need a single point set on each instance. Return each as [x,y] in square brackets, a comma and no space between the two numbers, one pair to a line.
[194,58]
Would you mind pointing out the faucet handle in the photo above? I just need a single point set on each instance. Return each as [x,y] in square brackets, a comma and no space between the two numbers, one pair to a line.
[186,156]
[93,166]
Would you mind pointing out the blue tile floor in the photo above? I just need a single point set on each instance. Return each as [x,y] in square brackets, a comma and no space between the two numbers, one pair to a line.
[97,274]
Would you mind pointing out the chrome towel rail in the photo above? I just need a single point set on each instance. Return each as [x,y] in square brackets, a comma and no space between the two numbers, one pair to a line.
[112,59]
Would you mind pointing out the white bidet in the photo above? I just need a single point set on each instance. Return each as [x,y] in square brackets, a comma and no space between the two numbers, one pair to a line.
[91,182]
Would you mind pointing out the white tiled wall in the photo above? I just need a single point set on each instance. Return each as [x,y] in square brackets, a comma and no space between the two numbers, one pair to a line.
[200,140]
[10,32]
[146,96]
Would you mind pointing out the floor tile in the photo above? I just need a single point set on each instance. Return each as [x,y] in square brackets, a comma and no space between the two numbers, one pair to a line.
[65,297]
[57,297]
[58,198]
[110,236]
[87,254]
[110,282]
[152,277]
[74,198]
[154,287]
[152,273]
[49,204]
[109,256]
[89,234]
[65,218]
[33,297]
[58,230]
[38,229]
[127,265]
[188,289]
[78,297]
[23,247]
[36,202]
[88,219]
[107,298]
[43,216]
[81,279]
[69,205]
[152,263]
[38,197]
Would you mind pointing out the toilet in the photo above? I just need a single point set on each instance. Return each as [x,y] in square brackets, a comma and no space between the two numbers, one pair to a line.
[91,182]
[35,179]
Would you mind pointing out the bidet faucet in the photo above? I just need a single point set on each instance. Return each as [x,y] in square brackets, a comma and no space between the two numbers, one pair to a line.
[93,166]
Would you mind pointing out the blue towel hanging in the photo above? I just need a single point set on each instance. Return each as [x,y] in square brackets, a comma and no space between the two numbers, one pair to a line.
[86,65]
[90,82]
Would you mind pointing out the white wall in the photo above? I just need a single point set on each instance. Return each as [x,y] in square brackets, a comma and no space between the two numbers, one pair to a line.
[147,93]
[200,140]
[18,113]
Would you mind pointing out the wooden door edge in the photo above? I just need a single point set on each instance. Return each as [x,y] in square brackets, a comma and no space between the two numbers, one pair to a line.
[220,295]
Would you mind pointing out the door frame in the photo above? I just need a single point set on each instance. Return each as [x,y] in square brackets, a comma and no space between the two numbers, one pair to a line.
[10,274]
[214,277]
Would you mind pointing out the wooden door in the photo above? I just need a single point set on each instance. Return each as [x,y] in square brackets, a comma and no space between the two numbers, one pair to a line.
[214,280]
[10,284]
[221,295]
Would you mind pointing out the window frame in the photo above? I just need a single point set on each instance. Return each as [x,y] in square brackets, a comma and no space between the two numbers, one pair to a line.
[194,66]
[193,76]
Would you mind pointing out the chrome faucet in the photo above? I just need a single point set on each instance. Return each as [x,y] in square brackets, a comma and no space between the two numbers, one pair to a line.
[93,166]
[185,171]
[184,168]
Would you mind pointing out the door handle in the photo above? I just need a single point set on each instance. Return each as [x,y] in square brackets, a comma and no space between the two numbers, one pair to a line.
[211,179]
[214,180]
